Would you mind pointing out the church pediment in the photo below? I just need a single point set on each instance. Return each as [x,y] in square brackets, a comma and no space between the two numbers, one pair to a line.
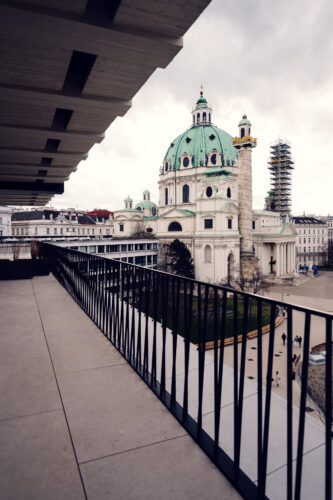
[288,228]
[177,213]
[230,208]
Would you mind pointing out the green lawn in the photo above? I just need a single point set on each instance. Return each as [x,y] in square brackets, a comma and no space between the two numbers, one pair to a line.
[201,329]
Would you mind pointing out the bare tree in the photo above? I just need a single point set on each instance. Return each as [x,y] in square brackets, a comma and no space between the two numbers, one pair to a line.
[253,283]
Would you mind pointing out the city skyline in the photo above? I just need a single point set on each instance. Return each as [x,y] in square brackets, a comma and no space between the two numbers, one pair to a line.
[258,64]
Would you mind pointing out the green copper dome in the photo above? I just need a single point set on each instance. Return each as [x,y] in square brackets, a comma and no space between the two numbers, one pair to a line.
[198,142]
[244,121]
[146,204]
[128,199]
[146,191]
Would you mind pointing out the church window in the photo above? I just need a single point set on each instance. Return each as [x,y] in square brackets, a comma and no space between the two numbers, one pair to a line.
[253,224]
[198,118]
[204,117]
[139,208]
[229,223]
[213,159]
[149,230]
[209,116]
[188,140]
[208,254]
[153,211]
[166,196]
[193,118]
[186,193]
[166,166]
[209,192]
[208,223]
[212,136]
[242,132]
[186,161]
[121,227]
[229,194]
[174,226]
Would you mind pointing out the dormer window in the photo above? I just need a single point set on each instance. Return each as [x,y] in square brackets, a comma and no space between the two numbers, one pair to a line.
[213,159]
[186,161]
[188,139]
[212,137]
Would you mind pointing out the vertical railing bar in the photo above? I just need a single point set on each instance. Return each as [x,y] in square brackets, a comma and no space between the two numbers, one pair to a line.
[155,315]
[199,356]
[220,372]
[268,397]
[174,344]
[134,302]
[241,382]
[138,336]
[235,356]
[165,292]
[301,424]
[259,400]
[147,275]
[289,404]
[328,411]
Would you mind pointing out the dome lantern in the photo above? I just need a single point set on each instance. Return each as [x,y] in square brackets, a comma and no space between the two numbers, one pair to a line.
[128,202]
[202,113]
[244,127]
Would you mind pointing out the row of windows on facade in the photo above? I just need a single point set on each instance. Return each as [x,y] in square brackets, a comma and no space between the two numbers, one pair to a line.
[186,194]
[313,231]
[20,231]
[208,224]
[315,250]
[140,260]
[130,247]
[309,240]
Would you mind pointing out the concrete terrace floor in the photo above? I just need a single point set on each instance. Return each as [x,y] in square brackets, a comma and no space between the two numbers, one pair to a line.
[75,420]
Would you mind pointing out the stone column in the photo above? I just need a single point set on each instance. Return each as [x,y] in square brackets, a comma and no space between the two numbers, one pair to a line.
[283,258]
[277,258]
[288,257]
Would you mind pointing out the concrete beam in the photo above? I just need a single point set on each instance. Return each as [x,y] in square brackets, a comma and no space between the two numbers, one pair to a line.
[68,33]
[31,153]
[47,188]
[49,133]
[49,98]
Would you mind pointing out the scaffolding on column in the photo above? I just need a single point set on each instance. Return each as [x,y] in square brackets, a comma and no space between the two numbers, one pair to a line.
[280,165]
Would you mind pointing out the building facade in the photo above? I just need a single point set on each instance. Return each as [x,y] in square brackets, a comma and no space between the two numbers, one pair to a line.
[49,223]
[5,221]
[312,240]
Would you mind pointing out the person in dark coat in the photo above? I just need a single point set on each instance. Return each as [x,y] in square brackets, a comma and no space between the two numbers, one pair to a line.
[284,336]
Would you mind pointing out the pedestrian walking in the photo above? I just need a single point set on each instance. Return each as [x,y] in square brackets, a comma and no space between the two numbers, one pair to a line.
[284,336]
[277,379]
[299,341]
[296,339]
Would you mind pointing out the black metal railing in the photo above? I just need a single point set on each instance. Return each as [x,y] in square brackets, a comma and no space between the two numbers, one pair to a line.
[161,324]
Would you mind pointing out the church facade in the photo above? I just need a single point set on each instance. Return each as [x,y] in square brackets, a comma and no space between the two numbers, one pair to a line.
[205,200]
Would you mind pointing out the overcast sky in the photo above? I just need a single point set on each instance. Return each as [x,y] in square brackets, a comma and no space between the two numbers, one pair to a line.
[269,59]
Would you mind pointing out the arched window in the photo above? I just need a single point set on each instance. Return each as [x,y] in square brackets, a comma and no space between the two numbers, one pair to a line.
[186,161]
[208,254]
[193,118]
[175,226]
[153,211]
[209,192]
[228,193]
[186,193]
[242,132]
[198,117]
[166,166]
[209,116]
[204,117]
[149,230]
[166,196]
[213,159]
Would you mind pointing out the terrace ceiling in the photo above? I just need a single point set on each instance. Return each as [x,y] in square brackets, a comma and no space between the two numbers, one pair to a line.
[67,70]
